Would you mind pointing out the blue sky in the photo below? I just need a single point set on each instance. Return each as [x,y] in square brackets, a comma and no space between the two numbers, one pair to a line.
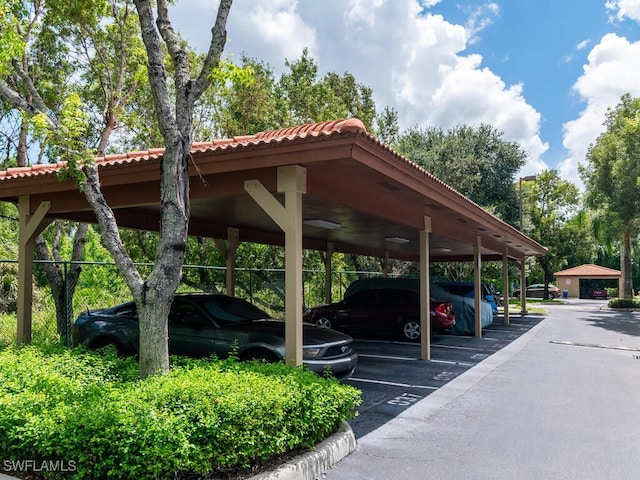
[541,71]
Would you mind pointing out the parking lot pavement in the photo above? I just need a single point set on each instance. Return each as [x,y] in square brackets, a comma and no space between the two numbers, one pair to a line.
[392,377]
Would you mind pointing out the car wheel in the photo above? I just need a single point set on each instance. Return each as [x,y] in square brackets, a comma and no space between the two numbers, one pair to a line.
[411,330]
[260,355]
[551,296]
[323,322]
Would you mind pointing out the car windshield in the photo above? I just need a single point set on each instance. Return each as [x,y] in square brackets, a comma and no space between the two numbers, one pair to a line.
[232,310]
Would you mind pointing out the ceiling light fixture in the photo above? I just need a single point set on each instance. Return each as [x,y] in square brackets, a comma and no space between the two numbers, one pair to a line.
[389,186]
[397,240]
[322,224]
[442,249]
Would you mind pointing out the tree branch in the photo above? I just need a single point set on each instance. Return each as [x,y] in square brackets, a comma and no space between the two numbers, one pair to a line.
[218,40]
[157,74]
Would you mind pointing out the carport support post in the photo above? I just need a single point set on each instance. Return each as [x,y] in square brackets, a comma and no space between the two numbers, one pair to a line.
[30,226]
[228,251]
[477,298]
[425,292]
[292,181]
[505,284]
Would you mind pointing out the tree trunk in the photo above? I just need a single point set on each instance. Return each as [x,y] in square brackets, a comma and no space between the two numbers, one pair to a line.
[625,266]
[157,293]
[62,281]
[21,154]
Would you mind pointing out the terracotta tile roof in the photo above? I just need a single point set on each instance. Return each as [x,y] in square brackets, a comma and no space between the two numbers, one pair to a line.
[352,125]
[290,134]
[589,270]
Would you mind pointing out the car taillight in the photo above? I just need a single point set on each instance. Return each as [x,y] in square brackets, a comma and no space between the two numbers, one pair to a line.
[444,308]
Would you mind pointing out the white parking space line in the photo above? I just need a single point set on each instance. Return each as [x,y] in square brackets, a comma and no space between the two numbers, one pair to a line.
[388,357]
[450,362]
[414,359]
[454,347]
[392,384]
[595,345]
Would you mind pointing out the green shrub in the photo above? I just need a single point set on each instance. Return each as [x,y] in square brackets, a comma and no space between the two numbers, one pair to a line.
[202,417]
[624,303]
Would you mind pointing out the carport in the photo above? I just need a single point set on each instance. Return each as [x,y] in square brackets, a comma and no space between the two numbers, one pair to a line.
[573,279]
[329,186]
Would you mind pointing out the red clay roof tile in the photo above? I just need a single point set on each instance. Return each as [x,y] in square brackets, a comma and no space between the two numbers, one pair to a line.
[589,270]
[300,131]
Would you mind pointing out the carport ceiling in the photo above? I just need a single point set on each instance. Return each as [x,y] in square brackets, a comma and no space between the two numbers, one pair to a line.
[352,180]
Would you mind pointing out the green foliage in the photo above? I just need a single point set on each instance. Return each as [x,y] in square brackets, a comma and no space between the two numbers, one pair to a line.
[13,16]
[386,129]
[305,98]
[550,207]
[247,98]
[476,161]
[202,417]
[624,303]
[613,168]
[611,179]
[9,251]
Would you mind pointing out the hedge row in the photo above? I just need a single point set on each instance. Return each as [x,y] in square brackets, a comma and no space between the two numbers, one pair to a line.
[93,414]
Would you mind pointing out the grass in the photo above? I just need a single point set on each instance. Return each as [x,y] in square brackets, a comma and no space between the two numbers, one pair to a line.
[534,305]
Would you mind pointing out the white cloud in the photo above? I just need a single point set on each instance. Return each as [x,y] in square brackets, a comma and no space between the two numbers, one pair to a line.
[472,95]
[583,44]
[413,60]
[625,9]
[480,17]
[613,58]
[362,12]
[276,27]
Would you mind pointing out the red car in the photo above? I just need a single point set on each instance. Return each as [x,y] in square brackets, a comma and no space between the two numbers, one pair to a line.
[600,293]
[381,312]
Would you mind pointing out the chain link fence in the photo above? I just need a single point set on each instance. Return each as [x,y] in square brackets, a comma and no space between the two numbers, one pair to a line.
[100,285]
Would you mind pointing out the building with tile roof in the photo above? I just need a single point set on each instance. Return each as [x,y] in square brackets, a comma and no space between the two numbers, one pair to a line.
[579,281]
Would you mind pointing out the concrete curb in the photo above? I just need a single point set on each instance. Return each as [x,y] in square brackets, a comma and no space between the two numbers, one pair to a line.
[310,465]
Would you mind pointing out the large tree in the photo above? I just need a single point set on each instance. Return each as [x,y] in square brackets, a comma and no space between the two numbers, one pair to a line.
[551,207]
[612,179]
[476,161]
[65,54]
[303,97]
[174,102]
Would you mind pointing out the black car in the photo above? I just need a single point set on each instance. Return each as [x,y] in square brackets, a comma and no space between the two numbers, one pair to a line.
[201,325]
[383,312]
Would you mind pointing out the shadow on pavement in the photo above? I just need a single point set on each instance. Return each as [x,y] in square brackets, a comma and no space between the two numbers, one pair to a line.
[626,322]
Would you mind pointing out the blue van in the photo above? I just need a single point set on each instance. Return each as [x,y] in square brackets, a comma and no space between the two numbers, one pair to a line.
[466,289]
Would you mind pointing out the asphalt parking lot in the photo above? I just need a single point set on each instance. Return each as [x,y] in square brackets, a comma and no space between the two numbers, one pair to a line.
[392,377]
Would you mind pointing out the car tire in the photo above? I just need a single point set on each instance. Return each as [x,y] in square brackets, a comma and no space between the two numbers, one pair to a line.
[411,330]
[323,321]
[551,296]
